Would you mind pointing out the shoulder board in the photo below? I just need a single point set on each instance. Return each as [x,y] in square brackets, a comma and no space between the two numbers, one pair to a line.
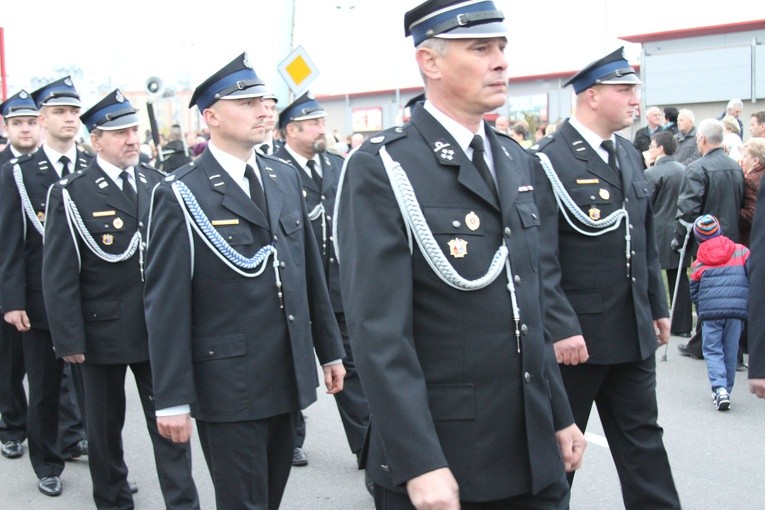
[151,169]
[504,135]
[69,179]
[382,138]
[182,171]
[21,159]
[541,144]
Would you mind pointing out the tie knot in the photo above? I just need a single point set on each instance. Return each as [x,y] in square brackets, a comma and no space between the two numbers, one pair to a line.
[63,160]
[264,148]
[609,146]
[249,172]
[477,144]
[311,164]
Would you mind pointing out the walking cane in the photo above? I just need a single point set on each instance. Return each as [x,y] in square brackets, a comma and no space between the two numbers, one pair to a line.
[688,228]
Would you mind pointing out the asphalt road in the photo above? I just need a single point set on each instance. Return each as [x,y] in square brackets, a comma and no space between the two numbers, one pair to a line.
[718,459]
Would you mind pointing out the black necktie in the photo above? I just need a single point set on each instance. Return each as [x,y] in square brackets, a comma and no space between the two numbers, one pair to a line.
[256,190]
[611,150]
[128,189]
[314,174]
[264,149]
[65,168]
[480,163]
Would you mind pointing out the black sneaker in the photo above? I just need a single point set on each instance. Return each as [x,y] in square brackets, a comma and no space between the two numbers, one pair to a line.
[299,457]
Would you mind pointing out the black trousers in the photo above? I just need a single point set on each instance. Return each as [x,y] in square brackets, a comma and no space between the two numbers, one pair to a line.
[682,311]
[625,395]
[44,379]
[555,497]
[249,461]
[351,402]
[13,397]
[105,414]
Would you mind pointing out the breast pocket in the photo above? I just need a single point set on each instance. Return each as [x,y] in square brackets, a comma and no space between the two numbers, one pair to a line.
[292,228]
[530,221]
[236,235]
[220,373]
[460,233]
[110,232]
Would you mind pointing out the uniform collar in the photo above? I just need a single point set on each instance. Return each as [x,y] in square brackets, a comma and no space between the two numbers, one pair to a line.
[53,155]
[114,171]
[302,161]
[233,165]
[593,139]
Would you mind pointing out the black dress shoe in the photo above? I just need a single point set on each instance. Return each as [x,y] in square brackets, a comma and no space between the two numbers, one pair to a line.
[50,485]
[133,487]
[12,449]
[299,458]
[75,451]
[685,351]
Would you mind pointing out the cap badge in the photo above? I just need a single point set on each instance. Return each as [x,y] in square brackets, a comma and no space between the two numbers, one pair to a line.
[458,248]
[119,97]
[472,221]
[246,62]
[68,82]
[23,94]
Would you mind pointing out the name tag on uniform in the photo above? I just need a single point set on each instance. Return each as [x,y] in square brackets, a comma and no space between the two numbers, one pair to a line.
[218,223]
[587,181]
[101,214]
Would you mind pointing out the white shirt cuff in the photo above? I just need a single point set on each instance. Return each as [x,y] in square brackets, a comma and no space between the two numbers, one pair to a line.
[174,411]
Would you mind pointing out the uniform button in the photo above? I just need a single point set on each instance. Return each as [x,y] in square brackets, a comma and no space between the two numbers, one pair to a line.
[106,225]
[329,217]
[592,197]
[297,222]
[140,224]
[632,226]
[95,315]
[524,329]
[211,353]
[276,238]
[331,238]
[144,245]
[230,238]
[633,252]
[527,377]
[282,265]
[507,231]
[634,279]
[456,224]
[626,200]
[291,318]
[533,215]
[323,197]
[332,260]
[517,279]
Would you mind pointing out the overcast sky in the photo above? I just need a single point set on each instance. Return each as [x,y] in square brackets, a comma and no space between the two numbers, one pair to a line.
[356,45]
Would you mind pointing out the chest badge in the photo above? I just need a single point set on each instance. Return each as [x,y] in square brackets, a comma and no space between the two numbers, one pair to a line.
[604,194]
[472,221]
[107,239]
[458,248]
[594,213]
[118,223]
[41,216]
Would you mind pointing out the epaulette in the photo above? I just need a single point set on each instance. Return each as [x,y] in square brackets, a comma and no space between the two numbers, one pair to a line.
[21,159]
[149,168]
[375,143]
[504,135]
[181,172]
[541,144]
[69,179]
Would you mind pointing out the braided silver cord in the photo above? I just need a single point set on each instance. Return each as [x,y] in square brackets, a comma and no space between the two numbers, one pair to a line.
[567,205]
[204,229]
[76,223]
[26,204]
[316,213]
[415,221]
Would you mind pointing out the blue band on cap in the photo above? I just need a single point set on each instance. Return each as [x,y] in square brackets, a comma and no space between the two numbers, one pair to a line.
[302,110]
[108,114]
[207,98]
[458,16]
[590,78]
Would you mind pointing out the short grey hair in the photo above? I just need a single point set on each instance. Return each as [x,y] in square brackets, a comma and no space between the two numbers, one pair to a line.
[712,130]
[735,103]
[687,113]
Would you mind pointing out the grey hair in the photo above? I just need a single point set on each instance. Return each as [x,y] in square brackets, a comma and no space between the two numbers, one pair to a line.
[712,130]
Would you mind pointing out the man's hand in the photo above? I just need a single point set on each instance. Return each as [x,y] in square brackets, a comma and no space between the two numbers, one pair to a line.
[662,326]
[19,319]
[757,386]
[334,377]
[176,428]
[571,350]
[75,358]
[434,490]
[571,444]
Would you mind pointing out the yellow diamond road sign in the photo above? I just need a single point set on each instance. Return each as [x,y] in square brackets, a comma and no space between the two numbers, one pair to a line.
[298,70]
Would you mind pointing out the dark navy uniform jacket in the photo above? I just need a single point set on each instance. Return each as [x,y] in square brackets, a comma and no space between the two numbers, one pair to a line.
[587,288]
[331,166]
[219,340]
[440,368]
[20,258]
[95,307]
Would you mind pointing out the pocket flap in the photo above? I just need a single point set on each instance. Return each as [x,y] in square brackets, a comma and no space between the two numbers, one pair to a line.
[101,311]
[219,347]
